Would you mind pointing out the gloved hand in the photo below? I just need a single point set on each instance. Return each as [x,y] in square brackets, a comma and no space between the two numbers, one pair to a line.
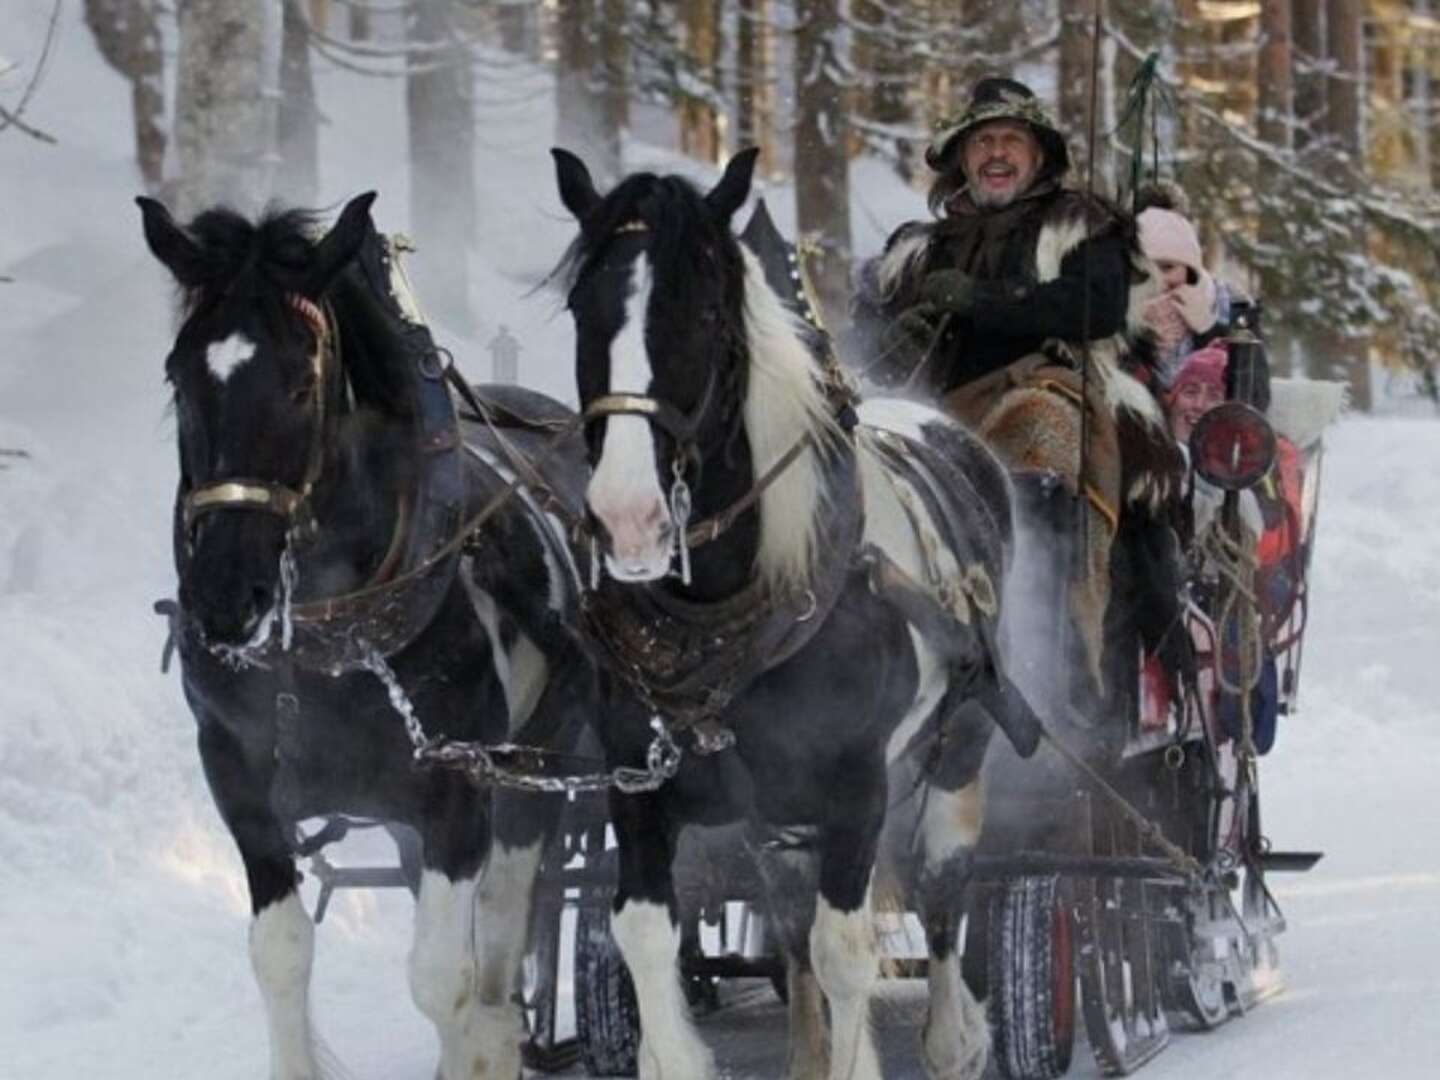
[905,342]
[949,290]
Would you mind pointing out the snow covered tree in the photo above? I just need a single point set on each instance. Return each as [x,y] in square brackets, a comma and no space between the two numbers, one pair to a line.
[822,153]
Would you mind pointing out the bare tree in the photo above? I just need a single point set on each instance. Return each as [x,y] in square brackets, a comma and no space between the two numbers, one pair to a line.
[298,175]
[1276,88]
[754,94]
[581,122]
[1343,20]
[225,103]
[1307,55]
[1077,71]
[822,159]
[1348,357]
[614,82]
[701,135]
[440,106]
[128,35]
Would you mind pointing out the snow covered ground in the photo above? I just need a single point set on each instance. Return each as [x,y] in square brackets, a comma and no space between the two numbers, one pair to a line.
[122,905]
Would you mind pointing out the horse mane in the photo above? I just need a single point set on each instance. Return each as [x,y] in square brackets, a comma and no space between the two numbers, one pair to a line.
[784,402]
[242,260]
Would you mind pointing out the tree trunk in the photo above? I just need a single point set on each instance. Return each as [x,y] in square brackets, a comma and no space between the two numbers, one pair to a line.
[701,135]
[1307,52]
[128,35]
[224,118]
[886,74]
[822,161]
[1343,34]
[583,123]
[440,107]
[1275,86]
[614,84]
[1348,357]
[1076,73]
[297,126]
[754,94]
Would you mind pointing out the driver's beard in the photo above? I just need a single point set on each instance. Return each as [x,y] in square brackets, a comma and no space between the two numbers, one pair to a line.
[994,200]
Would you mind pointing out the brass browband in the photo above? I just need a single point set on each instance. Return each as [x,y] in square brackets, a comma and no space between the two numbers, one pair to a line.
[611,404]
[239,493]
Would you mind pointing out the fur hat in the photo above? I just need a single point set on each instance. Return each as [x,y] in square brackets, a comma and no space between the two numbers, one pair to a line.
[997,98]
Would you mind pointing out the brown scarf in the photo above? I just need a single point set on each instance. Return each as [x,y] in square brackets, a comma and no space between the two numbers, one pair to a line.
[974,239]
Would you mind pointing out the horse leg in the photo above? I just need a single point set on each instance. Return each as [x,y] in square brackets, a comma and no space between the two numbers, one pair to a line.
[843,947]
[956,1037]
[282,937]
[646,928]
[442,962]
[524,825]
[790,886]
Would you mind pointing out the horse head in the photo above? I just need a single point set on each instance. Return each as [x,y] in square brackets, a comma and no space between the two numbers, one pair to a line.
[691,375]
[256,392]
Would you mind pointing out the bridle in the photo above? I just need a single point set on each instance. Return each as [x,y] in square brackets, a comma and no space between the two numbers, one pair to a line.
[290,504]
[683,429]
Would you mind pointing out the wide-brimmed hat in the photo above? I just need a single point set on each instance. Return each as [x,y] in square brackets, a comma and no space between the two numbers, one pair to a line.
[997,98]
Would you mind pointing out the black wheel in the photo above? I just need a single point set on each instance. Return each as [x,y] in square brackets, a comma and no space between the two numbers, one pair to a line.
[607,1020]
[1031,974]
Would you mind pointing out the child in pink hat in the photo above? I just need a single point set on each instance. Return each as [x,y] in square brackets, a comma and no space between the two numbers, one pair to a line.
[1197,386]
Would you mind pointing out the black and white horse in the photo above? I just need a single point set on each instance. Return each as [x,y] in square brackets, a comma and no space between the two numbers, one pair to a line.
[322,596]
[710,427]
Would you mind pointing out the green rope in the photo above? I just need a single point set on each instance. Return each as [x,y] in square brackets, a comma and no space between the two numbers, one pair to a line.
[1147,95]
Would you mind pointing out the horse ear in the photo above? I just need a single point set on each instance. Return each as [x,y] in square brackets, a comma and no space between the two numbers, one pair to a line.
[340,244]
[577,190]
[171,244]
[734,187]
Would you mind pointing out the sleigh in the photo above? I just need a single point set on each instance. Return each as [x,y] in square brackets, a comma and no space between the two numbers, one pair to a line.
[1134,900]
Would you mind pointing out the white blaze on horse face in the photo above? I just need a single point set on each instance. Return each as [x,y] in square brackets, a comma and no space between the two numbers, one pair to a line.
[223,357]
[624,492]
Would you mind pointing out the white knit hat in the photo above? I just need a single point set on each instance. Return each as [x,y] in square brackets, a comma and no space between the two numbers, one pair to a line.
[1166,236]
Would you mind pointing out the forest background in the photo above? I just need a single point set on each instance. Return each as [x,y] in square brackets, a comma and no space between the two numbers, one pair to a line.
[1305,132]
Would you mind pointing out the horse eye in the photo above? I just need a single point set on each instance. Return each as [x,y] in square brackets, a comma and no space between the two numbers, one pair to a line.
[303,392]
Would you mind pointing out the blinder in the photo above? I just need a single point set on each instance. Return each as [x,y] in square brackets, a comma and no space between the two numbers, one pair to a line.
[287,503]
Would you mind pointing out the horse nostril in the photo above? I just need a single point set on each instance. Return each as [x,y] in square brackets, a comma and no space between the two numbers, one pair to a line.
[259,601]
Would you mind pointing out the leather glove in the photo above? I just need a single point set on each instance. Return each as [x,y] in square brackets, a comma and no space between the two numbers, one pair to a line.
[912,332]
[949,290]
[905,342]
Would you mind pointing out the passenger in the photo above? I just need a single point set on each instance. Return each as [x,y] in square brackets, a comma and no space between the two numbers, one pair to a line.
[1194,309]
[1269,514]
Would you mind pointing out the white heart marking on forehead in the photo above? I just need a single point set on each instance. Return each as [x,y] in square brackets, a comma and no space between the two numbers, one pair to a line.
[224,357]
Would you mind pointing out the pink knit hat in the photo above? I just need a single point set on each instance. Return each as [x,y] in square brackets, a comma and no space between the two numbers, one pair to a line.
[1166,236]
[1205,366]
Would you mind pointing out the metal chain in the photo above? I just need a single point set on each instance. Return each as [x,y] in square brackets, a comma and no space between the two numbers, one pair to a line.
[482,764]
